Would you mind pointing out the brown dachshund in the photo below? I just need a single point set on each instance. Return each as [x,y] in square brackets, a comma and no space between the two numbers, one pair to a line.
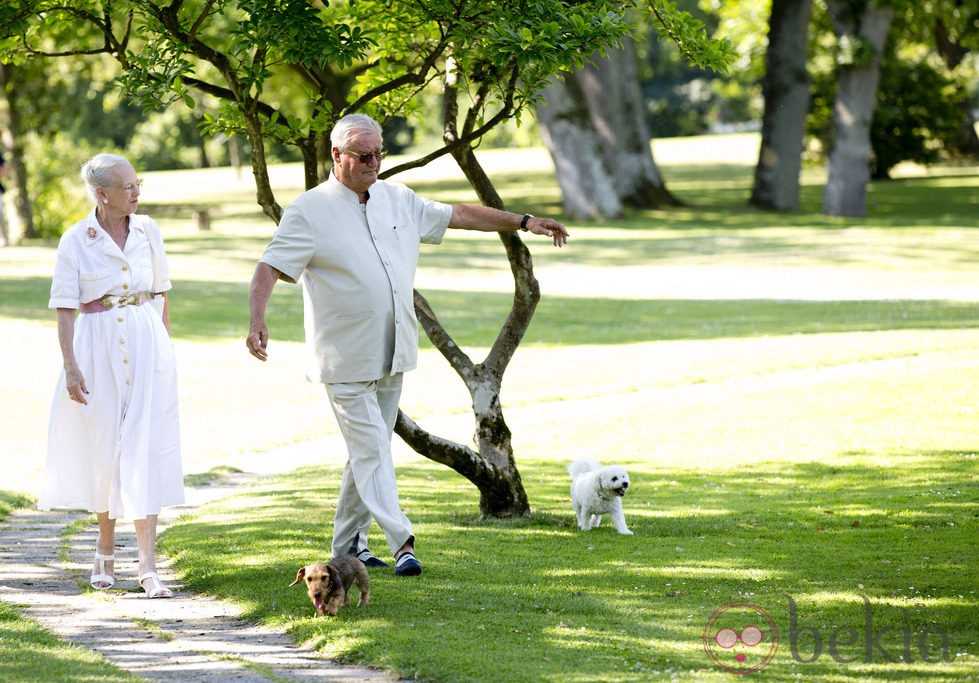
[327,584]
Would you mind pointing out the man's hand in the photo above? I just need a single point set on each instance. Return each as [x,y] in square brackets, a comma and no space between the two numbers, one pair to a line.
[259,294]
[550,228]
[258,340]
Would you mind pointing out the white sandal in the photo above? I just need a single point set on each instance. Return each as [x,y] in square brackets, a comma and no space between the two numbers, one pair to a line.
[101,576]
[158,590]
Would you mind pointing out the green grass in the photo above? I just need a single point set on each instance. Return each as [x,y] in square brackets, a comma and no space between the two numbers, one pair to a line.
[10,501]
[538,600]
[794,396]
[29,653]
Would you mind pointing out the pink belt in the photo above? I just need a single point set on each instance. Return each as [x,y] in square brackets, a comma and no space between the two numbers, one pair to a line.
[110,301]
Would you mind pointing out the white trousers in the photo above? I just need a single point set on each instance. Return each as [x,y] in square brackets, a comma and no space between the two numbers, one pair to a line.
[366,413]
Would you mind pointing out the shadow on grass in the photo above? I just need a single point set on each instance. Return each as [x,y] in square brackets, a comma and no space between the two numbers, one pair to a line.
[541,600]
[219,310]
[31,654]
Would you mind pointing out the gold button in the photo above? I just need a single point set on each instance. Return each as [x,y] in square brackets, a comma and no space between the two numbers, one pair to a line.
[125,267]
[119,319]
[125,286]
[125,362]
[122,341]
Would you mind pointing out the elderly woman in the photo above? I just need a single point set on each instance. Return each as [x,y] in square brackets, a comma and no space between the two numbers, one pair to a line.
[114,437]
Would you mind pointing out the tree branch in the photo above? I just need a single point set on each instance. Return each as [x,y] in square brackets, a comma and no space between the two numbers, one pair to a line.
[441,339]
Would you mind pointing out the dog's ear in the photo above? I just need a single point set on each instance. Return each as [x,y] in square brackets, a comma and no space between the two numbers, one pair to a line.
[300,575]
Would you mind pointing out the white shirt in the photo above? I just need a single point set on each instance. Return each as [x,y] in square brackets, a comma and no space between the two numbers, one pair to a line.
[357,264]
[90,265]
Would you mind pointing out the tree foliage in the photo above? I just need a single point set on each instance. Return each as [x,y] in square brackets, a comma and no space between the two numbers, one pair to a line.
[285,70]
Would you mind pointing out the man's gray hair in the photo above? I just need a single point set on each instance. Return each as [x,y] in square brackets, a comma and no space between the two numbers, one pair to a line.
[100,171]
[349,126]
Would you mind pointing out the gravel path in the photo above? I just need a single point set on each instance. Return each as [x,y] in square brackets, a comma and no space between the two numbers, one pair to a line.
[189,638]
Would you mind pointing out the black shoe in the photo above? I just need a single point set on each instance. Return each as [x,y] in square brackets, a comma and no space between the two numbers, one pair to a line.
[407,565]
[368,559]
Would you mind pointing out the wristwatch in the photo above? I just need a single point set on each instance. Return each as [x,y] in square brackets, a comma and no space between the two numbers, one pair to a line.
[523,222]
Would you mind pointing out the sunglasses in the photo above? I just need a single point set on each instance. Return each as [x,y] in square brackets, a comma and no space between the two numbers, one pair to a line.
[728,637]
[365,157]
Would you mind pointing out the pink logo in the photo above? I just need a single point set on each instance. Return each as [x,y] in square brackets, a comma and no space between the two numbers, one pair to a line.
[741,638]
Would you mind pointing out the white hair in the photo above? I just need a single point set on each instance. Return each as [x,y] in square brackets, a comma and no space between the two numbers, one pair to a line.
[99,172]
[349,126]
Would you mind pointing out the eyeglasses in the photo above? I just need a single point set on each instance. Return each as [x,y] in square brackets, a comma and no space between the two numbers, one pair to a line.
[728,637]
[365,157]
[131,187]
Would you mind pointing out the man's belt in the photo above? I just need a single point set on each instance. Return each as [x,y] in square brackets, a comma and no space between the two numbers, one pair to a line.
[110,301]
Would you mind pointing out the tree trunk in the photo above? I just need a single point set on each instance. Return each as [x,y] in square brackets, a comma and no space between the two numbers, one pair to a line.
[21,217]
[618,112]
[501,493]
[493,469]
[594,125]
[587,188]
[865,28]
[786,91]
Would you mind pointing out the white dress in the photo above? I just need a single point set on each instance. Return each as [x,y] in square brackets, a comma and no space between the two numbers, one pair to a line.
[121,452]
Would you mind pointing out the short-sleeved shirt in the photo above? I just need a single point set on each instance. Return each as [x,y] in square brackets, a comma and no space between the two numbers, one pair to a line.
[357,265]
[90,265]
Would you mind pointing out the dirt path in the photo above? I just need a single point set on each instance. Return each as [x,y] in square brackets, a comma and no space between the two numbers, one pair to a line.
[190,638]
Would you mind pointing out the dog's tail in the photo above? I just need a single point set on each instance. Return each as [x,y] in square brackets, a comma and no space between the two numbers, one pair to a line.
[582,465]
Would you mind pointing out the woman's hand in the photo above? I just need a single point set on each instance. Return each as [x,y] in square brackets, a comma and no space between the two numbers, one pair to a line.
[77,391]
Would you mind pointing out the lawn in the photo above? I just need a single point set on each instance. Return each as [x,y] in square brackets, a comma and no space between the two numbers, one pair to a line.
[538,600]
[793,395]
[29,653]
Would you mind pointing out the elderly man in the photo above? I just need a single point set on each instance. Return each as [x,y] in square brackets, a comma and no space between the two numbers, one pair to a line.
[354,241]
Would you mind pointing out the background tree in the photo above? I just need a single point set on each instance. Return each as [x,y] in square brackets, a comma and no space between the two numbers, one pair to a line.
[682,98]
[956,31]
[60,112]
[928,82]
[861,27]
[915,119]
[20,221]
[490,59]
[575,145]
[923,108]
[786,91]
[612,89]
[594,123]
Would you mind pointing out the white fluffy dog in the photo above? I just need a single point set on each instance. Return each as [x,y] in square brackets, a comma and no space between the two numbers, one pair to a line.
[596,491]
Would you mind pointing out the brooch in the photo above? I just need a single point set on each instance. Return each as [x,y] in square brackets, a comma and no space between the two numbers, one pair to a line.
[91,233]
